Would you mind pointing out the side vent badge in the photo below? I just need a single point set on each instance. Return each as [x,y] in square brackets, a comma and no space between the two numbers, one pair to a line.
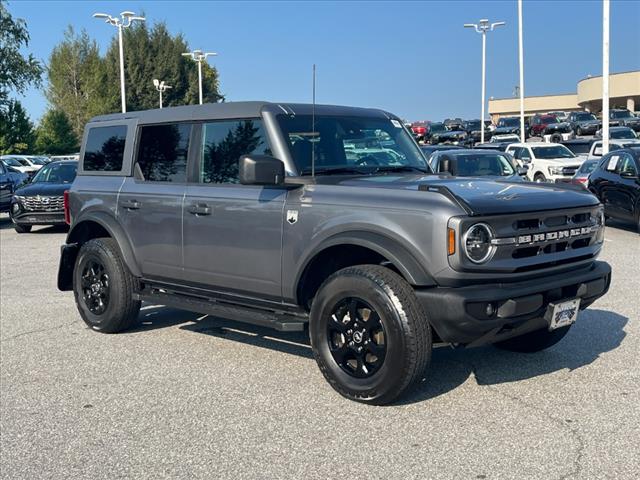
[292,216]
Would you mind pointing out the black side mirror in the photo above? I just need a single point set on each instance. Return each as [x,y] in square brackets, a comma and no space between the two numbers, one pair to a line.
[523,170]
[260,170]
[445,165]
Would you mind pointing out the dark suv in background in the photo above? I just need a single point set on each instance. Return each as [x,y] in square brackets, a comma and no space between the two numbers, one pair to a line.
[40,201]
[328,218]
[584,123]
[624,118]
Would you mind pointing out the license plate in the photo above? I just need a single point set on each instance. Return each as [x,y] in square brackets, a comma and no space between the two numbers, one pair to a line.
[563,313]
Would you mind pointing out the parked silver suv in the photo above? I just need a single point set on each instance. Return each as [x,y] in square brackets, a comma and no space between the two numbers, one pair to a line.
[290,215]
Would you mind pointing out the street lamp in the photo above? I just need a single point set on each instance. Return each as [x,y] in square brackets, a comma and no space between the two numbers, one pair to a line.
[125,21]
[483,26]
[161,87]
[199,56]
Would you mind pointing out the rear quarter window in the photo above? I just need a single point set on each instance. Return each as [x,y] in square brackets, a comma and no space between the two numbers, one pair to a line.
[104,149]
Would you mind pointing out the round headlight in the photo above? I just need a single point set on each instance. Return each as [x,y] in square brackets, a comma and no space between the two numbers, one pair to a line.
[477,243]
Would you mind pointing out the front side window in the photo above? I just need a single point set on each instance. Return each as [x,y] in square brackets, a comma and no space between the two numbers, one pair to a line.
[56,173]
[358,144]
[224,143]
[556,151]
[628,166]
[163,151]
[104,149]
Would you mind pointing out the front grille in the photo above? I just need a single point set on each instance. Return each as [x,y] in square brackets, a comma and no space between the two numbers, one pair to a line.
[43,204]
[534,241]
[569,170]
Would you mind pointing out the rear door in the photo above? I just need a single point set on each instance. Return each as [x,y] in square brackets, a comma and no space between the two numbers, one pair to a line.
[150,202]
[627,186]
[232,232]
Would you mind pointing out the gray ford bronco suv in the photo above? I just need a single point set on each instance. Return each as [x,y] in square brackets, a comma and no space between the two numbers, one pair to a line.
[287,215]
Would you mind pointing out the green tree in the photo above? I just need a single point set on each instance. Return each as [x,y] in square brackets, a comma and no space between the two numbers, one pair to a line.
[155,53]
[76,79]
[16,130]
[16,70]
[55,135]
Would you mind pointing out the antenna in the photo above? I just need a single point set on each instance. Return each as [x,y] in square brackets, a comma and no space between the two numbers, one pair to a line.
[313,125]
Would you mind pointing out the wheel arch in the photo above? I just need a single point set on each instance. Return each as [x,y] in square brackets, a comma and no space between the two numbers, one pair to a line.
[355,245]
[87,227]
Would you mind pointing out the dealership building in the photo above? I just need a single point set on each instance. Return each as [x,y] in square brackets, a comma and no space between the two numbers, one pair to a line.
[624,92]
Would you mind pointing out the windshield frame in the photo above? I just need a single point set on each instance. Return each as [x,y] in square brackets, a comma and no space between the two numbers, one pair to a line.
[403,154]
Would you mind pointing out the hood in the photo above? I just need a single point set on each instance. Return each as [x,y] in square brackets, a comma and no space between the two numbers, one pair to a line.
[478,196]
[502,130]
[43,188]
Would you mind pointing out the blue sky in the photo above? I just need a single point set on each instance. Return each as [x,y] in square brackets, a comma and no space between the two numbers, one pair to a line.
[412,58]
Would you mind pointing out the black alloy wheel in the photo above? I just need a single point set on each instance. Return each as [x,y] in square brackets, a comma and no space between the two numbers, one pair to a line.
[356,337]
[95,286]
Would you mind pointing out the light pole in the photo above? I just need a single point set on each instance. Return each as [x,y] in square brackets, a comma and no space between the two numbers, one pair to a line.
[483,26]
[199,56]
[605,77]
[125,21]
[161,87]
[523,135]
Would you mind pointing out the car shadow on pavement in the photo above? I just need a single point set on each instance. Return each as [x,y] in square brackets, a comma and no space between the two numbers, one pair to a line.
[293,343]
[5,222]
[620,225]
[595,333]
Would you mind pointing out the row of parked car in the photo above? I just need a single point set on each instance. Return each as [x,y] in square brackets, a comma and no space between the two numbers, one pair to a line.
[38,199]
[552,126]
[32,188]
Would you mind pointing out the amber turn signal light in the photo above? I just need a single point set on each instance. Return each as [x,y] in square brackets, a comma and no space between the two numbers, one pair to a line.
[451,241]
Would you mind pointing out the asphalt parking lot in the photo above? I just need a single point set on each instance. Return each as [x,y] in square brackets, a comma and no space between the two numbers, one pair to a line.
[199,397]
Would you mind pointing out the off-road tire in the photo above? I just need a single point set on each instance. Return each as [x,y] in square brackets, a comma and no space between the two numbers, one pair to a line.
[534,341]
[579,132]
[408,336]
[122,310]
[22,228]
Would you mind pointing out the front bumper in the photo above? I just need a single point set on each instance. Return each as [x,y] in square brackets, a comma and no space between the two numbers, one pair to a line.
[459,315]
[37,218]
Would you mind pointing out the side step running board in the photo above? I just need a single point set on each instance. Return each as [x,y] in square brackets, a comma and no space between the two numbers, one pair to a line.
[255,316]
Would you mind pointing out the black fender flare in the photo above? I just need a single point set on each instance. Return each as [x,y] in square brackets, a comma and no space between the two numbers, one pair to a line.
[111,225]
[399,255]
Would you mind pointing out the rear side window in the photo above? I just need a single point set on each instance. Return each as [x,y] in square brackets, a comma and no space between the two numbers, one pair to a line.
[104,149]
[163,151]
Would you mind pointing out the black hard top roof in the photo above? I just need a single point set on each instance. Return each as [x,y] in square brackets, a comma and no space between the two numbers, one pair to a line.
[220,111]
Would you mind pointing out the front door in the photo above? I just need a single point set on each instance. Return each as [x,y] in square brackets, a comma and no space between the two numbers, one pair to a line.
[233,232]
[150,202]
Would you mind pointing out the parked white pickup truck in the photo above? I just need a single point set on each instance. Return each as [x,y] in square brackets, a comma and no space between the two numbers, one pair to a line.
[547,162]
[614,144]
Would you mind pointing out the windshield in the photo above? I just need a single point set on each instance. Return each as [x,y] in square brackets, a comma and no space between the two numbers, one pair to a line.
[624,133]
[37,161]
[581,117]
[588,166]
[438,127]
[509,122]
[554,151]
[56,173]
[548,120]
[15,162]
[472,165]
[473,125]
[620,114]
[350,144]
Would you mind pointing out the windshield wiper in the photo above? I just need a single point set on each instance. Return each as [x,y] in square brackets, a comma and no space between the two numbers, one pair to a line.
[337,170]
[401,168]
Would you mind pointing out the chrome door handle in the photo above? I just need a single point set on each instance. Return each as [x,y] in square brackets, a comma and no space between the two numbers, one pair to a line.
[199,209]
[130,205]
